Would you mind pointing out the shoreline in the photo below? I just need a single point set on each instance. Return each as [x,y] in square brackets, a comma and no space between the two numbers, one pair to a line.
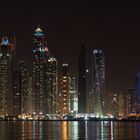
[109,120]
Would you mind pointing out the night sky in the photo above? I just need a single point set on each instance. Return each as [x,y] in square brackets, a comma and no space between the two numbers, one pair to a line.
[114,27]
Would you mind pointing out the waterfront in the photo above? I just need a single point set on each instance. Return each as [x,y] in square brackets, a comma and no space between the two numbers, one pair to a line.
[69,130]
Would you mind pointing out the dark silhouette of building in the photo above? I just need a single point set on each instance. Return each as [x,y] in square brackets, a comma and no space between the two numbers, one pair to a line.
[82,81]
[16,93]
[137,99]
[98,81]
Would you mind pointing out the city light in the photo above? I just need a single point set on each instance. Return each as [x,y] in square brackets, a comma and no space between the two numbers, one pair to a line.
[45,91]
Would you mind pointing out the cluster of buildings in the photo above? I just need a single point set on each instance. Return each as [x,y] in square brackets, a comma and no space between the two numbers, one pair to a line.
[43,89]
[36,89]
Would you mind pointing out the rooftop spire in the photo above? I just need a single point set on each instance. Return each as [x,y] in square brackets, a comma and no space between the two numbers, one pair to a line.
[38,31]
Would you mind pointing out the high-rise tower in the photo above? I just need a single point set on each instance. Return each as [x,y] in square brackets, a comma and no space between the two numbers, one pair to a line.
[16,93]
[64,90]
[73,98]
[131,96]
[52,86]
[137,97]
[44,76]
[98,81]
[6,49]
[41,54]
[82,81]
[24,71]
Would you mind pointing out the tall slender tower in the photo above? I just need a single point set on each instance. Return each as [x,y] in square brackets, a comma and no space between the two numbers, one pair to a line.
[24,71]
[131,96]
[64,90]
[44,76]
[6,77]
[52,86]
[82,82]
[16,93]
[137,98]
[39,74]
[73,99]
[98,81]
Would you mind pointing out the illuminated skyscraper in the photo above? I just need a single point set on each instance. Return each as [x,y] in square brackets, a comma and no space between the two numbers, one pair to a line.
[114,105]
[44,76]
[22,89]
[122,104]
[24,71]
[98,81]
[52,86]
[64,90]
[73,96]
[16,93]
[6,99]
[131,96]
[137,99]
[82,82]
[30,98]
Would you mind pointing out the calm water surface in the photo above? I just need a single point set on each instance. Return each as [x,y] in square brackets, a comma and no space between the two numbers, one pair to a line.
[65,130]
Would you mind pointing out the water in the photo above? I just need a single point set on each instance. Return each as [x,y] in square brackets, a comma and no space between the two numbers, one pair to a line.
[69,130]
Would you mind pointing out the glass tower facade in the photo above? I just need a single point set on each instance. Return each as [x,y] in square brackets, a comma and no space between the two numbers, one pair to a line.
[98,81]
[6,99]
[131,96]
[16,93]
[44,76]
[64,90]
[82,81]
[41,55]
[137,99]
[52,86]
[73,98]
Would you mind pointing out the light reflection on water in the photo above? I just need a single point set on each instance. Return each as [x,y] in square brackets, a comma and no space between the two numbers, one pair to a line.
[69,130]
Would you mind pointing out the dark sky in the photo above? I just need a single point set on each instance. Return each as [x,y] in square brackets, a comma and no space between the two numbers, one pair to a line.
[114,27]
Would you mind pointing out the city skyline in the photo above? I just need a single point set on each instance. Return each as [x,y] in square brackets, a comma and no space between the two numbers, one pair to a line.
[114,27]
[69,70]
[39,89]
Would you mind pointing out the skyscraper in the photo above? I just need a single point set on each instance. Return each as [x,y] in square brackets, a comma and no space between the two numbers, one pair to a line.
[73,96]
[39,71]
[52,86]
[98,81]
[30,97]
[122,104]
[82,81]
[137,99]
[44,76]
[64,90]
[114,104]
[16,93]
[24,71]
[131,96]
[6,99]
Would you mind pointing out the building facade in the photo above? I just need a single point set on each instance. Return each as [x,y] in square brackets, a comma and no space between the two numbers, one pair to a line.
[131,96]
[64,90]
[52,86]
[73,96]
[16,93]
[44,76]
[137,98]
[98,81]
[82,105]
[6,97]
[24,71]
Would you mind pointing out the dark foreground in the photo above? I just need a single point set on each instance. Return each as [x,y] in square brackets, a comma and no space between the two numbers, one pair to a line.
[69,130]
